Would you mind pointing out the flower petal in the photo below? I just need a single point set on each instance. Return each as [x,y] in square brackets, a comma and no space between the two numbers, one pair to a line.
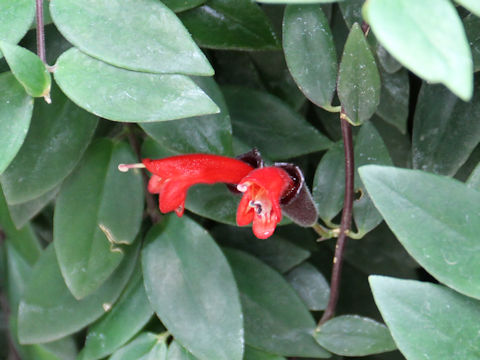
[155,184]
[244,212]
[264,227]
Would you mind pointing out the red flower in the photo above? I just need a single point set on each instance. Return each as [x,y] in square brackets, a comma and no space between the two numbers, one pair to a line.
[263,188]
[173,176]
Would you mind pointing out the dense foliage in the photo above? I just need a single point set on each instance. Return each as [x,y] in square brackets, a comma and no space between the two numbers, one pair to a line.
[90,270]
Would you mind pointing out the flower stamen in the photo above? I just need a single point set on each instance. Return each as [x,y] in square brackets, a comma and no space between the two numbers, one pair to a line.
[126,167]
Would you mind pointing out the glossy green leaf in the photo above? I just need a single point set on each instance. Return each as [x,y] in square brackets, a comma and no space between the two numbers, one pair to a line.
[182,5]
[15,113]
[352,11]
[471,5]
[276,320]
[132,34]
[47,302]
[263,121]
[178,352]
[49,152]
[297,1]
[192,289]
[310,285]
[254,354]
[393,107]
[353,335]
[123,95]
[15,19]
[437,51]
[434,217]
[137,348]
[428,321]
[310,52]
[399,145]
[445,129]
[474,178]
[201,134]
[29,70]
[358,78]
[472,29]
[230,24]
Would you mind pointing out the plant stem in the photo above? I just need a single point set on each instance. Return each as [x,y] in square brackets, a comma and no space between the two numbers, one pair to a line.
[346,220]
[40,31]
[152,208]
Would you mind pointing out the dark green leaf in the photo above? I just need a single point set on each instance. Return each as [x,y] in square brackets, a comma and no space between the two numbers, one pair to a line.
[472,28]
[230,24]
[435,218]
[411,33]
[398,144]
[98,210]
[474,178]
[358,78]
[393,107]
[50,151]
[387,61]
[29,70]
[141,346]
[182,5]
[47,302]
[352,335]
[445,129]
[352,11]
[428,321]
[310,285]
[15,19]
[122,95]
[471,5]
[276,319]
[178,352]
[263,121]
[254,354]
[201,134]
[192,289]
[297,1]
[310,52]
[133,34]
[15,113]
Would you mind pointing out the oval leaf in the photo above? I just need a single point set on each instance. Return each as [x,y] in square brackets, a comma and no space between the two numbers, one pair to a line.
[47,302]
[263,121]
[126,29]
[15,113]
[182,5]
[424,319]
[98,210]
[49,152]
[123,95]
[411,32]
[192,289]
[441,115]
[352,335]
[358,78]
[310,52]
[310,285]
[418,207]
[276,320]
[29,70]
[15,19]
[137,348]
[178,352]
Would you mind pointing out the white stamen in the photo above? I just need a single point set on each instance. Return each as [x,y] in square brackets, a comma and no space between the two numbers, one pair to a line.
[126,167]
[242,188]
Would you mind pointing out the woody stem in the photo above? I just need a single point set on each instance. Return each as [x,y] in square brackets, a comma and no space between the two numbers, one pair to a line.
[346,220]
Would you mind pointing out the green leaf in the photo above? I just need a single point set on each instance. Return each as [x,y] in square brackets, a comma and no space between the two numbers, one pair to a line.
[263,121]
[15,19]
[182,5]
[122,95]
[310,52]
[192,289]
[428,321]
[386,60]
[472,29]
[178,352]
[358,78]
[422,210]
[399,145]
[15,113]
[445,129]
[471,5]
[133,34]
[48,304]
[98,210]
[393,107]
[110,332]
[275,318]
[474,178]
[230,24]
[254,354]
[29,70]
[297,1]
[435,51]
[49,152]
[310,285]
[139,347]
[353,335]
[201,134]
[352,11]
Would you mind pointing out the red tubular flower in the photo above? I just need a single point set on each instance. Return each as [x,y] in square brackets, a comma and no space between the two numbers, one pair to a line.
[263,188]
[173,176]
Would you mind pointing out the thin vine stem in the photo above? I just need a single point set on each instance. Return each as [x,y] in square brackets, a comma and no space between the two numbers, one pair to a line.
[345,223]
[40,31]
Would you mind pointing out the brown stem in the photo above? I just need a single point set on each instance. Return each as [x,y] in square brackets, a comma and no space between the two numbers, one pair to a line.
[152,208]
[40,31]
[346,220]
